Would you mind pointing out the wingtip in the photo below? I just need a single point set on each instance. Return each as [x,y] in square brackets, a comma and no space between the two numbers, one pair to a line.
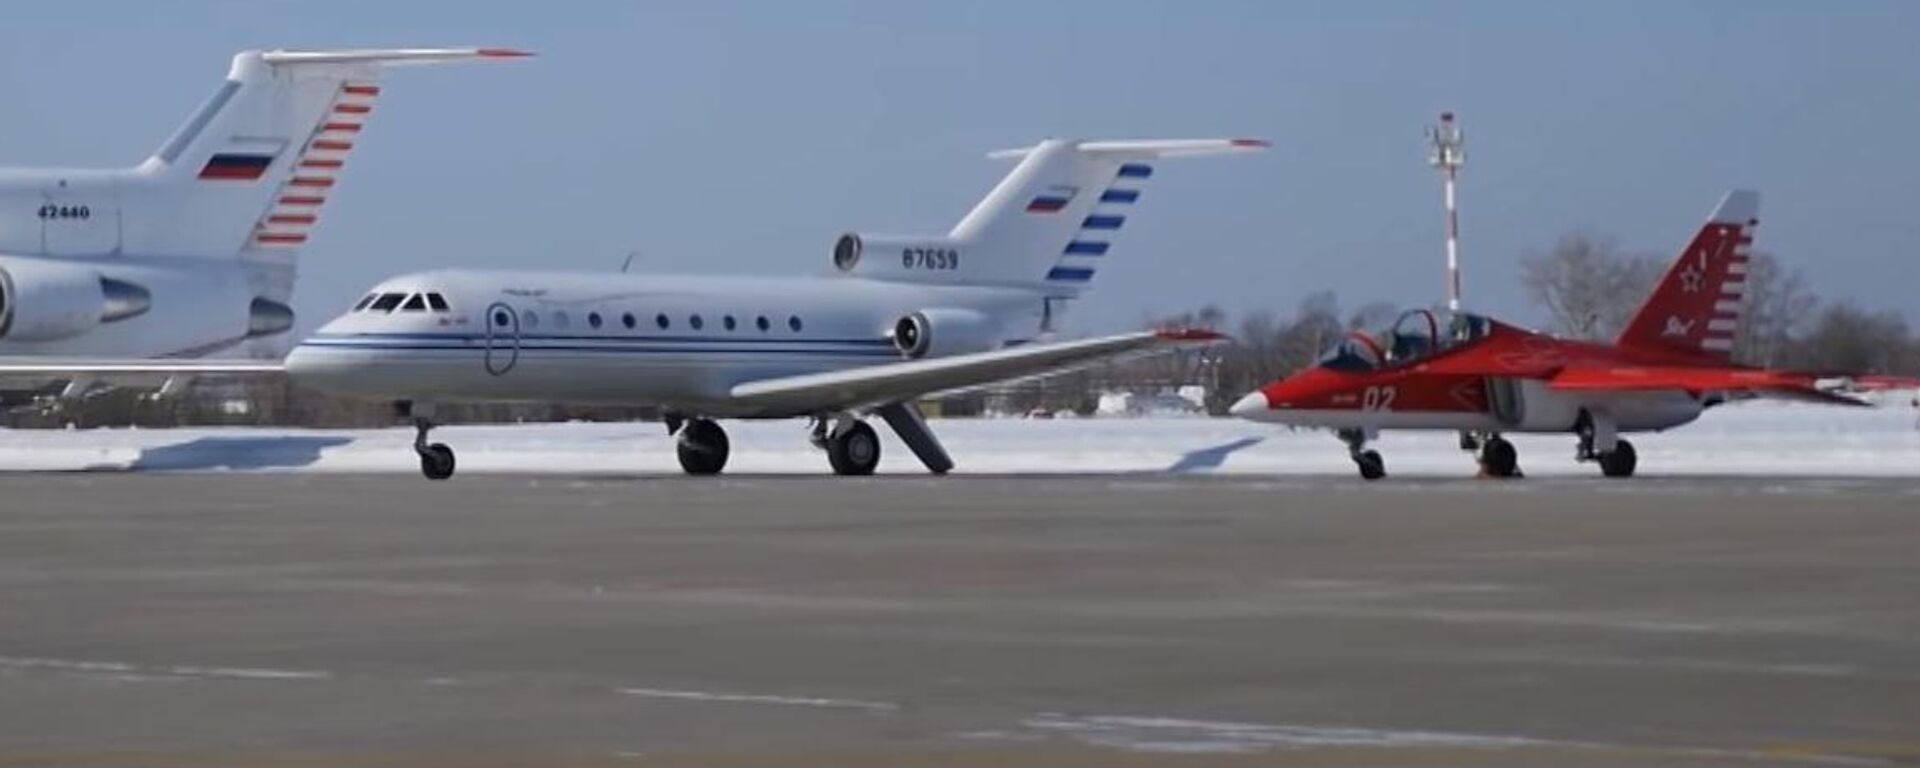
[503,53]
[1190,335]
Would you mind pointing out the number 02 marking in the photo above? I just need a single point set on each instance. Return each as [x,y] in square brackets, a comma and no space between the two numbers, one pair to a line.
[1377,398]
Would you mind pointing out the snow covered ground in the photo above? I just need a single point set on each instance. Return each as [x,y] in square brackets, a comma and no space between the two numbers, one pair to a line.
[1759,438]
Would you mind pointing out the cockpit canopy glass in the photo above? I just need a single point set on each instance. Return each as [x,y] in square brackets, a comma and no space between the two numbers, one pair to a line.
[1357,353]
[1416,335]
[405,302]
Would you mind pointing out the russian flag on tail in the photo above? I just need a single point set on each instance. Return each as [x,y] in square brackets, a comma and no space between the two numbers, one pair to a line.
[236,166]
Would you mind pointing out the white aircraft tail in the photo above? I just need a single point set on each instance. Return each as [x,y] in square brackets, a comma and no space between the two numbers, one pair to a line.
[1050,223]
[250,171]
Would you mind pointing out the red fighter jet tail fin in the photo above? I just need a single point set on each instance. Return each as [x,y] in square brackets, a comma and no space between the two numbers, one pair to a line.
[1697,307]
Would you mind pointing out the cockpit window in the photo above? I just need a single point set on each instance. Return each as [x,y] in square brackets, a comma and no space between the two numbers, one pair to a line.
[387,302]
[437,302]
[415,303]
[1358,353]
[365,301]
[1415,335]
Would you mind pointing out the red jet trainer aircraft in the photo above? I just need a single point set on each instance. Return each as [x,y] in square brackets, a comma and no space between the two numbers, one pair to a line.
[1483,378]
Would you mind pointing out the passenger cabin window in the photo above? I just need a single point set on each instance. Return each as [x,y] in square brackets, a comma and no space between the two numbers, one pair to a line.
[793,322]
[661,321]
[560,319]
[696,322]
[387,302]
[728,322]
[415,303]
[628,321]
[593,319]
[761,321]
[437,302]
[530,318]
[501,318]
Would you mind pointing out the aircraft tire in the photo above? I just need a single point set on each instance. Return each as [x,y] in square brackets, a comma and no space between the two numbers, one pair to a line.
[436,461]
[855,451]
[1372,466]
[703,448]
[1499,459]
[1620,461]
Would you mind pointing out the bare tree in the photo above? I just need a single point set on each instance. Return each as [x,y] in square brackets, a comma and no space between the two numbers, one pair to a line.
[1779,306]
[1588,287]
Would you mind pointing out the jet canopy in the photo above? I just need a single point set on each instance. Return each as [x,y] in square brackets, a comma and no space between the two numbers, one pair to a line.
[1417,334]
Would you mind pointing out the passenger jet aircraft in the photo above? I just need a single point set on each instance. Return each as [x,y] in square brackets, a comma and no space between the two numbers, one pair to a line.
[192,251]
[898,318]
[1483,378]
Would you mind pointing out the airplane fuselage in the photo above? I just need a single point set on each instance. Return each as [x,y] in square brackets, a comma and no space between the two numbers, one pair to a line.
[677,342]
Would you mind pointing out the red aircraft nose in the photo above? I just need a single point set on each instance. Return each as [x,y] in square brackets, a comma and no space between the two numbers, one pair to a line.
[1307,389]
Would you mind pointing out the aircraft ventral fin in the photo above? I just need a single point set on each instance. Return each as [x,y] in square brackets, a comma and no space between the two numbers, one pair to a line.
[909,379]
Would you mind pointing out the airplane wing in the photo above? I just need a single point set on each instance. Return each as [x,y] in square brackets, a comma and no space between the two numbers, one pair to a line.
[55,366]
[37,371]
[1781,384]
[908,379]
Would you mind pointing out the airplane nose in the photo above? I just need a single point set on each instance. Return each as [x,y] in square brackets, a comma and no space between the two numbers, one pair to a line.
[1252,406]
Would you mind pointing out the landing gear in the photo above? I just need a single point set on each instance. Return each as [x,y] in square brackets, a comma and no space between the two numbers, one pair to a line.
[1620,461]
[1498,458]
[702,446]
[1600,443]
[436,459]
[1372,467]
[853,449]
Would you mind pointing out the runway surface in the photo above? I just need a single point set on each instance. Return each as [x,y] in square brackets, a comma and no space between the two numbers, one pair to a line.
[1150,620]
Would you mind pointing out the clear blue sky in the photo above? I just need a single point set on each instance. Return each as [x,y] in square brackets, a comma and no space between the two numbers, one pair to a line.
[741,137]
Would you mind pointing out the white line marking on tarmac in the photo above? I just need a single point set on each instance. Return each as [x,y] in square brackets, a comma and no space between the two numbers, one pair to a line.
[1178,735]
[124,671]
[758,698]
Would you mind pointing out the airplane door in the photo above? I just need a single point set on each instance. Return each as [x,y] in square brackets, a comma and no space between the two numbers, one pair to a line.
[503,338]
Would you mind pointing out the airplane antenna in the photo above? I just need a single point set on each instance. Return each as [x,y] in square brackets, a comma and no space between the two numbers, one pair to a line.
[1446,150]
[628,264]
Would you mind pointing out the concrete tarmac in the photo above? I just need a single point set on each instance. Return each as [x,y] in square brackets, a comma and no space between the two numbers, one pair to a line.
[1143,620]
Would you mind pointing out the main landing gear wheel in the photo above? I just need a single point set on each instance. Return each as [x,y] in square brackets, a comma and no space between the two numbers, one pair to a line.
[1372,467]
[855,451]
[1498,458]
[702,447]
[1620,461]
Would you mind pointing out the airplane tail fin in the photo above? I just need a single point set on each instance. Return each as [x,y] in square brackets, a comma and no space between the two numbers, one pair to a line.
[1049,223]
[1054,218]
[1697,307]
[250,170]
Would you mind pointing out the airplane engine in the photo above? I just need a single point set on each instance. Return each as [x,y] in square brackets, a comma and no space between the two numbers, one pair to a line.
[943,332]
[883,257]
[49,301]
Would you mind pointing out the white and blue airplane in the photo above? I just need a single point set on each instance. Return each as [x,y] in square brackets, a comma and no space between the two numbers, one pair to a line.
[897,319]
[193,251]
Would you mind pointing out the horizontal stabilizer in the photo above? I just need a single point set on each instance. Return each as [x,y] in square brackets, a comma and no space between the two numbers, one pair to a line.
[1145,148]
[390,56]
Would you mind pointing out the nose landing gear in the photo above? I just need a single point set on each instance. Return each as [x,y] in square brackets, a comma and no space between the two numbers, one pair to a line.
[1372,466]
[436,459]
